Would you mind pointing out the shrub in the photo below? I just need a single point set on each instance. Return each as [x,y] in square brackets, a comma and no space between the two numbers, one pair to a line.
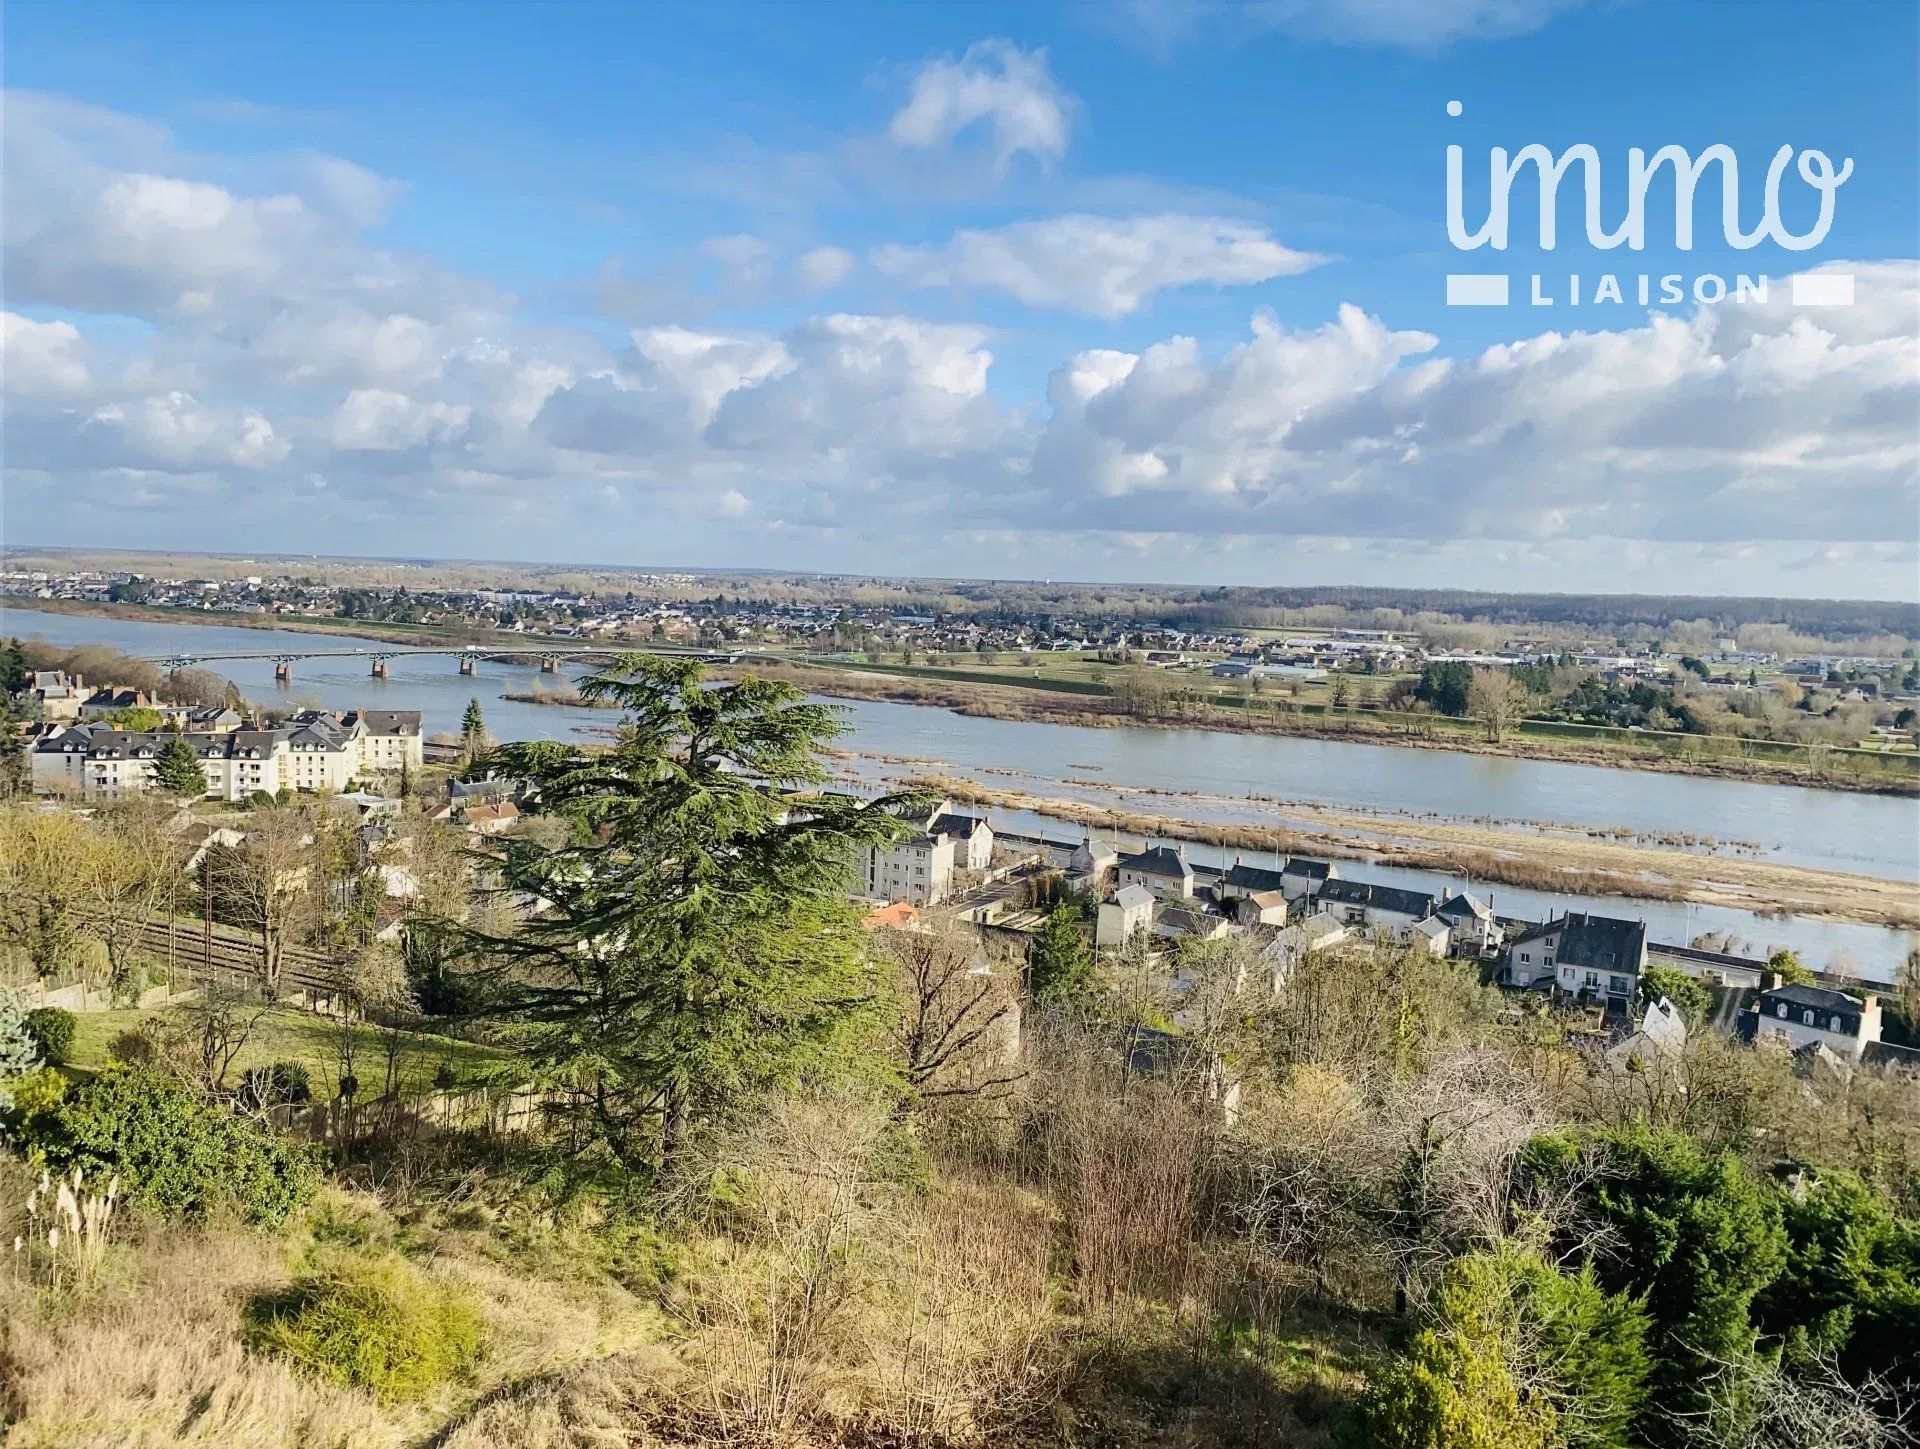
[52,1031]
[133,1048]
[372,1323]
[275,1086]
[176,1154]
[35,1096]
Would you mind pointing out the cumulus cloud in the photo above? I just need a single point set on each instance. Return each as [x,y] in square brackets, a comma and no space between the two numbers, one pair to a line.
[995,88]
[375,419]
[1745,420]
[42,359]
[176,431]
[289,347]
[1098,266]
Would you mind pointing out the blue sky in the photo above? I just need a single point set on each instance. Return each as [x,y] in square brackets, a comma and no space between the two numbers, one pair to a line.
[955,288]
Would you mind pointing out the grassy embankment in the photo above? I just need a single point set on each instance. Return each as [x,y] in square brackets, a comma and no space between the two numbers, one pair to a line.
[285,1034]
[1532,861]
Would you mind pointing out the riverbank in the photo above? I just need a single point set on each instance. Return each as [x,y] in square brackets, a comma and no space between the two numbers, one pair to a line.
[1047,700]
[1535,862]
[290,623]
[1051,704]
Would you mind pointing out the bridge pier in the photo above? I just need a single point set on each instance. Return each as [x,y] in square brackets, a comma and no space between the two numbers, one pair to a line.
[466,664]
[379,669]
[282,672]
[549,664]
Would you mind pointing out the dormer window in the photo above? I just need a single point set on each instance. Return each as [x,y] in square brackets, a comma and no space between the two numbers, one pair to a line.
[1837,1026]
[1807,1016]
[1780,1010]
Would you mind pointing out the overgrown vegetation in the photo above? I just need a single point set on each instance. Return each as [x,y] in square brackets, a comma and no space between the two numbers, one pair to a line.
[777,1180]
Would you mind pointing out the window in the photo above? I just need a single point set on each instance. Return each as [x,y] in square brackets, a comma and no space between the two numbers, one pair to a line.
[1807,1016]
[1837,1026]
[1780,1010]
[1593,978]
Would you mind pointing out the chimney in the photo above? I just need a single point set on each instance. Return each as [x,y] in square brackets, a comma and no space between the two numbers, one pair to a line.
[1771,981]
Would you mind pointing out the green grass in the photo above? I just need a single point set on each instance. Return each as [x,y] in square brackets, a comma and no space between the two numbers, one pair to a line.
[287,1035]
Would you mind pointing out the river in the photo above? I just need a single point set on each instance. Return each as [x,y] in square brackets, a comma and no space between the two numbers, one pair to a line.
[1834,830]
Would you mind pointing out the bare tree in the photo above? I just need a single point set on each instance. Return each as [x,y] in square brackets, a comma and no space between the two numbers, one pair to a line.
[1497,700]
[958,1025]
[262,884]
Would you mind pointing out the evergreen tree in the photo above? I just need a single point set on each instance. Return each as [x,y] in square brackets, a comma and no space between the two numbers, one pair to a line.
[19,1053]
[701,946]
[473,731]
[1061,965]
[1694,1234]
[1516,1352]
[176,769]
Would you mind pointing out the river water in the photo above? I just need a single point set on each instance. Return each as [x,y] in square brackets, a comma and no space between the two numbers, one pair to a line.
[1235,774]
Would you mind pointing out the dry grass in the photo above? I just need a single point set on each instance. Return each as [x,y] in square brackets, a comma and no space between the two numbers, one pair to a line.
[153,1355]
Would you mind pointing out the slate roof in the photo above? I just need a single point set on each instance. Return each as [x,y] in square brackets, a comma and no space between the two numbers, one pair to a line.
[1601,943]
[1253,878]
[1158,860]
[960,827]
[1300,865]
[1377,897]
[1460,905]
[1820,998]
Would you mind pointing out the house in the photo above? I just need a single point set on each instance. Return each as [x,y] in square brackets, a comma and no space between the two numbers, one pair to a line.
[1597,958]
[1162,869]
[1302,877]
[1242,879]
[491,819]
[1472,920]
[59,694]
[1809,1016]
[1366,906]
[1662,1033]
[1433,934]
[972,837]
[104,702]
[1300,940]
[1093,858]
[212,720]
[897,916]
[1128,913]
[1262,908]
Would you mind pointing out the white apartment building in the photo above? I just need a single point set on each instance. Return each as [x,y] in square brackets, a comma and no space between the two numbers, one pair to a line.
[919,869]
[315,753]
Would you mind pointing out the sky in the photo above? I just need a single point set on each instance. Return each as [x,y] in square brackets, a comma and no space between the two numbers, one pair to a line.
[1130,291]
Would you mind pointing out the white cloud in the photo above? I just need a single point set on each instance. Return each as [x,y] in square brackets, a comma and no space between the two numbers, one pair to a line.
[42,359]
[374,419]
[1741,421]
[177,431]
[823,269]
[272,343]
[996,87]
[1098,266]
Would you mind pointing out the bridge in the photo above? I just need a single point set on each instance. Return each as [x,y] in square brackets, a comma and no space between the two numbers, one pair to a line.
[467,656]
